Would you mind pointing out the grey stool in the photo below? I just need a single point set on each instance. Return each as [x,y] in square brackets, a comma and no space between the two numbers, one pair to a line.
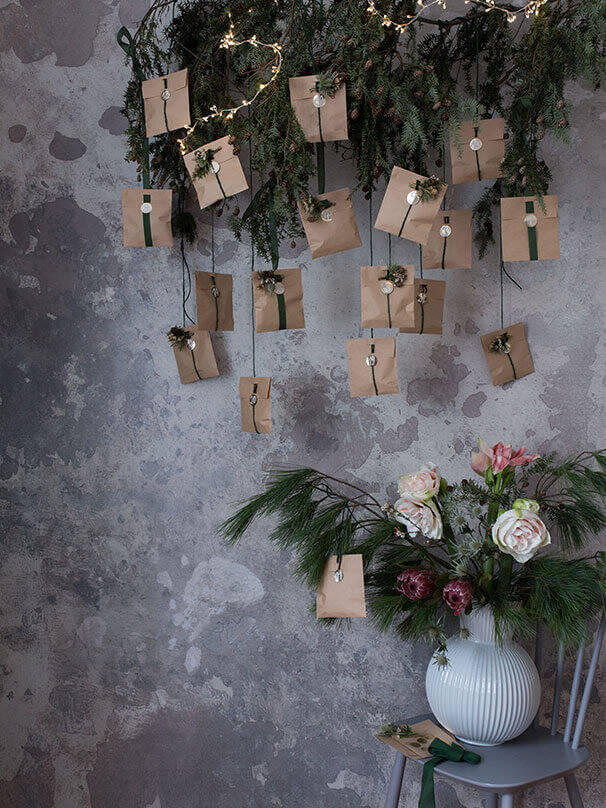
[537,756]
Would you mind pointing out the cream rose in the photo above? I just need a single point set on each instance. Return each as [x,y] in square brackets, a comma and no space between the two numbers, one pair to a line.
[424,484]
[419,516]
[520,533]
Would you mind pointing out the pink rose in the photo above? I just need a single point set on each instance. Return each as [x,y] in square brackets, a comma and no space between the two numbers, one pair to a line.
[520,533]
[458,595]
[424,484]
[416,584]
[499,457]
[419,516]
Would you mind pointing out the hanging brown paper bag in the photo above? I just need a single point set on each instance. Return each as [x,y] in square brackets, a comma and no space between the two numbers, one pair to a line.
[166,103]
[214,304]
[255,404]
[330,223]
[410,205]
[216,172]
[278,300]
[372,366]
[507,354]
[450,241]
[477,150]
[321,115]
[388,296]
[194,353]
[429,307]
[529,230]
[146,217]
[341,589]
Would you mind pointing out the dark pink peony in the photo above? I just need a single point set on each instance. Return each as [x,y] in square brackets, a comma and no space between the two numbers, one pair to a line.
[416,584]
[458,594]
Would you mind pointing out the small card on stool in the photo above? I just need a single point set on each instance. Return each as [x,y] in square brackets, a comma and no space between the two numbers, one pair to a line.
[416,746]
[341,589]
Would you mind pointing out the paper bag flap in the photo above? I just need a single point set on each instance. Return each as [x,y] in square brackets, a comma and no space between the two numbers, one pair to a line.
[223,281]
[515,207]
[222,146]
[376,273]
[302,87]
[247,384]
[384,347]
[152,88]
[435,289]
[488,129]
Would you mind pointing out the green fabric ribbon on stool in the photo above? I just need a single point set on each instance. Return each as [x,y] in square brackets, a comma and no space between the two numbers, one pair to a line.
[441,752]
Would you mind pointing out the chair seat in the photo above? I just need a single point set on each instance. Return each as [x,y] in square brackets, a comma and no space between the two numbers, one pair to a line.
[533,757]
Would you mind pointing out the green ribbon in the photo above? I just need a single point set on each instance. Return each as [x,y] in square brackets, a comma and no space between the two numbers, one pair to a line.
[388,312]
[127,43]
[422,305]
[446,221]
[253,409]
[220,185]
[215,298]
[281,312]
[193,359]
[475,134]
[407,213]
[147,234]
[532,235]
[513,367]
[164,102]
[441,752]
[372,368]
[320,154]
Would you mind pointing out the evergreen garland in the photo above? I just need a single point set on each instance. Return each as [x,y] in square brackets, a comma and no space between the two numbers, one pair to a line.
[406,93]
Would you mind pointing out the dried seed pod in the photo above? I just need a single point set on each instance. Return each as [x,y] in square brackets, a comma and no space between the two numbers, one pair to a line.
[358,92]
[293,244]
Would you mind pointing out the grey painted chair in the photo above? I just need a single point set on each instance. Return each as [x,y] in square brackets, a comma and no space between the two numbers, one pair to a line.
[537,756]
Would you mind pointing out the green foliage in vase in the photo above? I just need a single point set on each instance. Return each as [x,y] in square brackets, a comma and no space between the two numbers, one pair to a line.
[406,94]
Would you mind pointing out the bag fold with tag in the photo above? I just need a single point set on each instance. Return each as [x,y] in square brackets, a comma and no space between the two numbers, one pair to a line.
[477,150]
[450,241]
[341,589]
[372,366]
[529,228]
[166,103]
[214,301]
[330,223]
[146,217]
[388,294]
[429,307]
[321,115]
[216,172]
[278,300]
[194,353]
[410,205]
[255,405]
[507,354]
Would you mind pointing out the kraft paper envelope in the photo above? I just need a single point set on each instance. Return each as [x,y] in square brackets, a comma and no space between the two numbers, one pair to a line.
[429,307]
[166,103]
[450,241]
[385,305]
[343,595]
[281,309]
[214,301]
[523,241]
[255,405]
[399,217]
[196,363]
[319,124]
[469,165]
[506,367]
[372,366]
[228,179]
[146,217]
[337,234]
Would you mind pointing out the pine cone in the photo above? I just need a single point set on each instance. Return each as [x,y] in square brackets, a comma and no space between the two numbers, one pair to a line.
[560,104]
[540,119]
[398,119]
[444,116]
[231,140]
[437,105]
[344,37]
[293,244]
[391,112]
[236,211]
[368,64]
[540,134]
[376,173]
[355,114]
[417,73]
[358,92]
[562,123]
[236,150]
[447,102]
[292,148]
[419,93]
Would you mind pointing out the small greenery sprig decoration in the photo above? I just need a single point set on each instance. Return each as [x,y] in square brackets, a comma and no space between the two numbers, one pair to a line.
[204,162]
[422,294]
[179,337]
[428,188]
[327,84]
[501,344]
[269,280]
[399,730]
[396,274]
[314,207]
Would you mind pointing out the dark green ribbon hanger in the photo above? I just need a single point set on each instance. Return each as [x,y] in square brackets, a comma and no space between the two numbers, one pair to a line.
[532,235]
[320,162]
[253,403]
[407,212]
[441,752]
[127,43]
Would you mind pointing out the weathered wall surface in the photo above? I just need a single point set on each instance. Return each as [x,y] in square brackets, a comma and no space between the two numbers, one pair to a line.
[143,664]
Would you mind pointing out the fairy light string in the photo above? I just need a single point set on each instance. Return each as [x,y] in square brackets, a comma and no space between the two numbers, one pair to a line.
[530,9]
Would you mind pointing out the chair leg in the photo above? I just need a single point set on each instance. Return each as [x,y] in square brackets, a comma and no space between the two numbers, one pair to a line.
[395,783]
[506,800]
[572,787]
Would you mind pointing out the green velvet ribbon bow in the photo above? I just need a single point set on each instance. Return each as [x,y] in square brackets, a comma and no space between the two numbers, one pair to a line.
[127,43]
[441,752]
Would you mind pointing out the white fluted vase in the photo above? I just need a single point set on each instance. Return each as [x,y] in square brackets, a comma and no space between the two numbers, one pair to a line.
[489,692]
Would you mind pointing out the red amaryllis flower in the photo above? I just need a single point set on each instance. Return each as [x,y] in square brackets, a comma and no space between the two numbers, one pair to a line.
[416,584]
[458,594]
[499,457]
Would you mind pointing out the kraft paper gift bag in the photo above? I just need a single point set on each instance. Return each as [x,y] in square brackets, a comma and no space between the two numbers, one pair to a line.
[194,354]
[507,354]
[410,205]
[416,747]
[321,115]
[216,172]
[255,404]
[372,366]
[388,296]
[146,217]
[341,589]
[166,103]
[214,304]
[477,150]
[330,223]
[529,231]
[429,307]
[278,300]
[450,241]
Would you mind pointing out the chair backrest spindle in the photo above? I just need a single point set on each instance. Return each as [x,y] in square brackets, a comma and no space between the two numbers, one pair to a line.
[574,692]
[588,684]
[538,661]
[557,690]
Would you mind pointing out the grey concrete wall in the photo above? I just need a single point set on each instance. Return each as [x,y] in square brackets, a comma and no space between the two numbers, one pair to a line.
[143,664]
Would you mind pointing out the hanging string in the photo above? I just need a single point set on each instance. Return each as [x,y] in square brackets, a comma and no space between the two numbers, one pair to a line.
[420,260]
[372,331]
[212,239]
[477,58]
[252,258]
[185,271]
[389,249]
